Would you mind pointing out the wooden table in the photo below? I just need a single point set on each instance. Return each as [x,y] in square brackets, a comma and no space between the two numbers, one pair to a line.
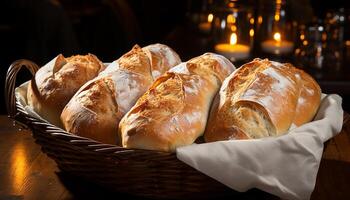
[27,173]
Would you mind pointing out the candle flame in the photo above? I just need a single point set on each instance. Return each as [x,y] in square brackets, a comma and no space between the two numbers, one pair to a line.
[233,39]
[251,32]
[277,37]
[210,17]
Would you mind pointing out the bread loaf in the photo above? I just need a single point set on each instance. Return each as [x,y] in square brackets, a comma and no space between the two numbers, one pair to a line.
[55,83]
[262,98]
[174,111]
[96,109]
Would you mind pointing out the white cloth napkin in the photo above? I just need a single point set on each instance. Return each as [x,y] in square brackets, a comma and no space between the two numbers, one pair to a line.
[21,95]
[285,166]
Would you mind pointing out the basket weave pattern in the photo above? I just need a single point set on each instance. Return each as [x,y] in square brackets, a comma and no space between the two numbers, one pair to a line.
[139,172]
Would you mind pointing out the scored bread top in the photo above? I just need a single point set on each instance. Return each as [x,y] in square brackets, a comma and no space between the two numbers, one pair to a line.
[174,111]
[55,83]
[260,99]
[162,58]
[209,65]
[169,114]
[131,74]
[59,82]
[136,61]
[97,97]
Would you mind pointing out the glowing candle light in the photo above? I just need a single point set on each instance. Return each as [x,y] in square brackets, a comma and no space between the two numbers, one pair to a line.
[233,50]
[210,18]
[277,37]
[233,39]
[277,45]
[251,32]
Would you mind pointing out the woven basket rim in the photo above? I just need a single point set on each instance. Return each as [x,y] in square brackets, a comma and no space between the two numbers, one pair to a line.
[55,131]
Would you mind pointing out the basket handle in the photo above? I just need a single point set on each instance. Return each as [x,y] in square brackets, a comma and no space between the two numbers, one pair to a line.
[10,83]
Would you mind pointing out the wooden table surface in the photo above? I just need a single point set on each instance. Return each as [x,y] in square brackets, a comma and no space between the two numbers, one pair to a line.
[27,173]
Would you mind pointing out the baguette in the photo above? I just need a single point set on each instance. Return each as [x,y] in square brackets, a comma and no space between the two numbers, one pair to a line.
[262,98]
[55,83]
[174,111]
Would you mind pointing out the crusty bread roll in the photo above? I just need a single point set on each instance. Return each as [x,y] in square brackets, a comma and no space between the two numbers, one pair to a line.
[55,83]
[174,111]
[262,98]
[96,109]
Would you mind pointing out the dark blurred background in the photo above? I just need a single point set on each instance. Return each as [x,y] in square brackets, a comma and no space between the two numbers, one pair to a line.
[41,29]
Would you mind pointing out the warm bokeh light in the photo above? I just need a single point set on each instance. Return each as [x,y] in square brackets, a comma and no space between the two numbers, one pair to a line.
[223,24]
[231,19]
[347,43]
[302,37]
[305,42]
[278,10]
[277,17]
[210,17]
[251,32]
[233,39]
[19,166]
[324,36]
[260,19]
[251,20]
[277,37]
[233,28]
[231,5]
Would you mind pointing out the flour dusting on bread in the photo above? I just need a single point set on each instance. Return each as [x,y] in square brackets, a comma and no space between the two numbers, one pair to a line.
[262,98]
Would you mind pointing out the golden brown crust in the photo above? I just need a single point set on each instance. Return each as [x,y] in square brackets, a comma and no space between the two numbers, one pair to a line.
[173,112]
[136,61]
[162,58]
[176,104]
[86,104]
[55,83]
[210,64]
[260,99]
[97,108]
[309,99]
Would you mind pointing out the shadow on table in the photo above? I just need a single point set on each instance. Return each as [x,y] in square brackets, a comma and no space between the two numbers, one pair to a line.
[81,189]
[332,180]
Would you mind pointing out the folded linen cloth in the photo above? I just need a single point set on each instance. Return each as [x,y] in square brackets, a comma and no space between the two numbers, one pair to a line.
[285,166]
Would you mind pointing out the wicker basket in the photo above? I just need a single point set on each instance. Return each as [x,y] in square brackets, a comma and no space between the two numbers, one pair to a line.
[139,172]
